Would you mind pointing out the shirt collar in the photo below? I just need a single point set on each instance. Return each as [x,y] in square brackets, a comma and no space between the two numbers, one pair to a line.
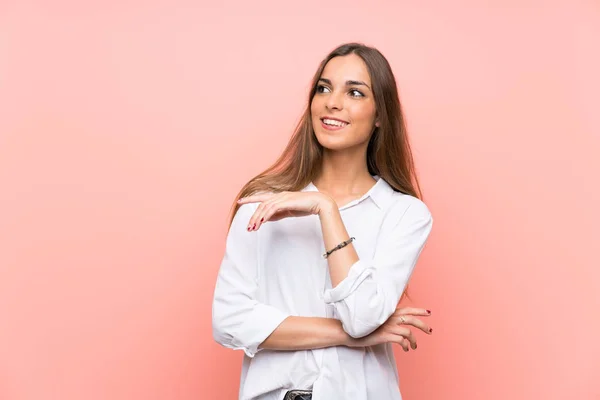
[381,193]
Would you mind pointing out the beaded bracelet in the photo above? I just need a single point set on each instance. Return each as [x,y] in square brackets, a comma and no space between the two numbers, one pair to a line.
[339,246]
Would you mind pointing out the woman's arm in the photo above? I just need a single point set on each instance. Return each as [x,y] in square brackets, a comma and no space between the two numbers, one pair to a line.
[306,333]
[241,322]
[334,233]
[366,292]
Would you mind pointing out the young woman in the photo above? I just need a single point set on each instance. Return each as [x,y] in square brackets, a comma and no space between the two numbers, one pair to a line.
[322,244]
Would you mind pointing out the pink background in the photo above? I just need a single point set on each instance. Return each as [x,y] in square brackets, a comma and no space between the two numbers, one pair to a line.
[126,129]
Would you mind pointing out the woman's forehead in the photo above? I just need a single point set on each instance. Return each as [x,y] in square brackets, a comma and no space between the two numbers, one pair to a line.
[344,68]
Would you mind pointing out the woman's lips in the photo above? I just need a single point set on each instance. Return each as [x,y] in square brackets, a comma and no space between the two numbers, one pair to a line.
[333,127]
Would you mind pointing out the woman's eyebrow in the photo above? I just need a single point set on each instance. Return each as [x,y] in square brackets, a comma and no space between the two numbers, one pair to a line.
[348,83]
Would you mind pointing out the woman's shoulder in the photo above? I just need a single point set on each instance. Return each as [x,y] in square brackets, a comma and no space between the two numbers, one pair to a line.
[245,211]
[247,207]
[406,205]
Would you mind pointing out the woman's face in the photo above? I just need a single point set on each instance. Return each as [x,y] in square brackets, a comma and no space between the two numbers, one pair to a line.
[343,108]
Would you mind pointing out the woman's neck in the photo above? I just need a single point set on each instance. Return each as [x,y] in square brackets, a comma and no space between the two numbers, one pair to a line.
[344,174]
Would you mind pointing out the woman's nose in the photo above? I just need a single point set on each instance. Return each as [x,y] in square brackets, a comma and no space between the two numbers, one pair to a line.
[334,101]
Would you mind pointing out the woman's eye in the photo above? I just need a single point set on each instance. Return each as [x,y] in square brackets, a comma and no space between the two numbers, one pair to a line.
[321,88]
[356,93]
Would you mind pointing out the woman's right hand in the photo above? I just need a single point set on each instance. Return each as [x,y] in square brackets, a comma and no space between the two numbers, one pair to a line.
[395,329]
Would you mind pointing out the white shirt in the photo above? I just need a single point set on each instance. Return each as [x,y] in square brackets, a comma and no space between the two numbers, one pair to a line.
[279,271]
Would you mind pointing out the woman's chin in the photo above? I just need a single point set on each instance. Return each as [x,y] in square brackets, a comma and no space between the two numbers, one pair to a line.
[336,145]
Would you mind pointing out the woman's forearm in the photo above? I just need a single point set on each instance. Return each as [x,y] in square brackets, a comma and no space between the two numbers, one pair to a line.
[334,232]
[305,333]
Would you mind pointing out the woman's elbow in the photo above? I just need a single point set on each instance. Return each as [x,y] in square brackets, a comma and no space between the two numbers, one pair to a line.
[366,322]
[218,331]
[358,329]
[221,327]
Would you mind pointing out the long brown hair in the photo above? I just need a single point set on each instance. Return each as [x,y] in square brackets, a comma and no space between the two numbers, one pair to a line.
[388,153]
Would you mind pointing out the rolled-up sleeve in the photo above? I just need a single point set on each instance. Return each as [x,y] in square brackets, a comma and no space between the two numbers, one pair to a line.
[370,293]
[239,321]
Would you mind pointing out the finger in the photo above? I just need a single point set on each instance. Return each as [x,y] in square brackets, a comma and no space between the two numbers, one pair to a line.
[412,311]
[405,333]
[267,210]
[255,198]
[406,344]
[399,336]
[259,214]
[411,339]
[399,339]
[271,209]
[416,322]
[280,214]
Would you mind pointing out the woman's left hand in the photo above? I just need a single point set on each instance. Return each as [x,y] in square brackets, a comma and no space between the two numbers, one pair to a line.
[276,206]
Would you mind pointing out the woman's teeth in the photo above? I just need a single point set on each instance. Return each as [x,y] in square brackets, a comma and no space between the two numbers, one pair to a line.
[334,122]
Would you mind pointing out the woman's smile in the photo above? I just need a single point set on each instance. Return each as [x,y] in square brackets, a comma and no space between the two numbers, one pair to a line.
[332,124]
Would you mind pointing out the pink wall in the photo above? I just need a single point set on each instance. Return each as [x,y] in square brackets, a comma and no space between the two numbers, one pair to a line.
[127,128]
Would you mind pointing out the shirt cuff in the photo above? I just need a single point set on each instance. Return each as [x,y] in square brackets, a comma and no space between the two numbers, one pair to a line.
[359,271]
[260,324]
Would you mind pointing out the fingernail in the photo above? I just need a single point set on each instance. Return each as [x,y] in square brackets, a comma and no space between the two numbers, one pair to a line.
[430,330]
[249,228]
[262,220]
[428,311]
[254,227]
